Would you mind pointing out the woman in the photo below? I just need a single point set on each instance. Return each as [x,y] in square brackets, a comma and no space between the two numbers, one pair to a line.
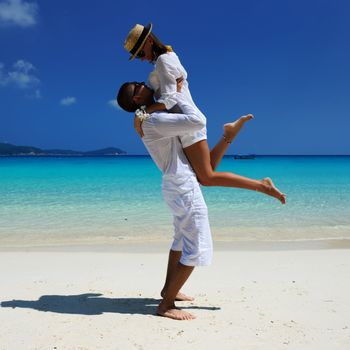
[141,43]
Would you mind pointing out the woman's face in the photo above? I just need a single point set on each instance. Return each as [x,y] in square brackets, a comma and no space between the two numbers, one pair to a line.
[146,53]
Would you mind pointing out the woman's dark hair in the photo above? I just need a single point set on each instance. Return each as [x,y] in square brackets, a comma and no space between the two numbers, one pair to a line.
[124,98]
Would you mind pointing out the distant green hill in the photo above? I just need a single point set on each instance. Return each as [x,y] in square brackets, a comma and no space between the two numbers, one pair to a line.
[6,149]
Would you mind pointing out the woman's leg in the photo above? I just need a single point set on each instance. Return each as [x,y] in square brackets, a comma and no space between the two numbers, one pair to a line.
[231,130]
[199,157]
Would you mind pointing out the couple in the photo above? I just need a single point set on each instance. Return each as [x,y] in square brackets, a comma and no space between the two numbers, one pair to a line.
[174,132]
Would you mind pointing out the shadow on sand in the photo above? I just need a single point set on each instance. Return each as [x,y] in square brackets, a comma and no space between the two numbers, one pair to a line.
[92,304]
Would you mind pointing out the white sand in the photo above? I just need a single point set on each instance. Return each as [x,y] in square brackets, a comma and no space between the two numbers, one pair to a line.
[248,299]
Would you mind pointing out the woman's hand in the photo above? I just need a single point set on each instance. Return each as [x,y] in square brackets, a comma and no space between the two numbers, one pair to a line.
[179,83]
[138,126]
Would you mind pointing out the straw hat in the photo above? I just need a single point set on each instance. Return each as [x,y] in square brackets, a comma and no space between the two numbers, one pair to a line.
[137,38]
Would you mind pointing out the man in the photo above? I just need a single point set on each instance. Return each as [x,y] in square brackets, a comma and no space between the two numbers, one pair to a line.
[162,134]
[192,244]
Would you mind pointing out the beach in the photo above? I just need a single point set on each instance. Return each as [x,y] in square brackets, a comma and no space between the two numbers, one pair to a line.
[89,209]
[84,245]
[253,296]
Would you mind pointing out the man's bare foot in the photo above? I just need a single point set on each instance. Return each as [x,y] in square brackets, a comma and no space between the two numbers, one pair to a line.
[180,296]
[183,297]
[231,130]
[270,189]
[174,313]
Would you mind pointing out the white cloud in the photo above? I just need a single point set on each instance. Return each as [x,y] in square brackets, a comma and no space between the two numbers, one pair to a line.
[18,12]
[23,66]
[114,104]
[21,76]
[67,101]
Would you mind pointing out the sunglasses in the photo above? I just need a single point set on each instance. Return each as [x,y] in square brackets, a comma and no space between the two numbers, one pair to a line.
[141,54]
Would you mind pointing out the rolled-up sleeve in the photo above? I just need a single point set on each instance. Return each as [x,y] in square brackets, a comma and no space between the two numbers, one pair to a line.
[174,124]
[177,124]
[167,79]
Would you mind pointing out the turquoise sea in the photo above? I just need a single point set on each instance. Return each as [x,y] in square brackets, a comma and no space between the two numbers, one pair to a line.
[106,199]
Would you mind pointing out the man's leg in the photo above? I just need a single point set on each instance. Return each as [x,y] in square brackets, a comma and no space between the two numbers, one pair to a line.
[193,237]
[167,307]
[174,258]
[231,130]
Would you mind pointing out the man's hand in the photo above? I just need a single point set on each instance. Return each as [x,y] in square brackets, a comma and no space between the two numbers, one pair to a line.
[179,83]
[138,122]
[138,126]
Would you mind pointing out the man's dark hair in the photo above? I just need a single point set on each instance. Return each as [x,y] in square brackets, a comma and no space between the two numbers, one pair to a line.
[124,98]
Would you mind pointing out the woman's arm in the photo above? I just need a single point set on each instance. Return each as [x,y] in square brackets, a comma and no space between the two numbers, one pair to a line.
[159,106]
[167,73]
[156,107]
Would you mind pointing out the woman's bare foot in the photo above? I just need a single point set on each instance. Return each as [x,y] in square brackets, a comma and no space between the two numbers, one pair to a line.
[270,189]
[173,312]
[180,296]
[231,130]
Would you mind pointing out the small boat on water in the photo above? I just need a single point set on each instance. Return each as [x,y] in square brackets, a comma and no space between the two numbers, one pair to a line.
[244,156]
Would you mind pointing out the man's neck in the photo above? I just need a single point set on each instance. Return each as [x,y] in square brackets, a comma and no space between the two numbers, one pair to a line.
[175,109]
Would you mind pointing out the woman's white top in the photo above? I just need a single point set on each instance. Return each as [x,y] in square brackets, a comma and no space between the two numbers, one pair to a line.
[162,80]
[162,134]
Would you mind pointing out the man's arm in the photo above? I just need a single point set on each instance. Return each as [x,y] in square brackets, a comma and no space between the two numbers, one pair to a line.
[176,124]
[170,125]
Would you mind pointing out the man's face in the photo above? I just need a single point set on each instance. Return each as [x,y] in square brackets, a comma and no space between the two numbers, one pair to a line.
[141,94]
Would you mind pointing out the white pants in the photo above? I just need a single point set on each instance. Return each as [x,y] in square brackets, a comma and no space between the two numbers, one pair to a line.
[191,225]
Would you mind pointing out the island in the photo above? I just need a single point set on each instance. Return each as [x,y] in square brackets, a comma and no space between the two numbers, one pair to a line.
[9,150]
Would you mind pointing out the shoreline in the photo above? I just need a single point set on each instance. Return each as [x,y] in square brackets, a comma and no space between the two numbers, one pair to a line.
[160,246]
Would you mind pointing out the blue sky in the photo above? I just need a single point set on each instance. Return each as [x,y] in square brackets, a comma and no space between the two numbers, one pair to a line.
[287,62]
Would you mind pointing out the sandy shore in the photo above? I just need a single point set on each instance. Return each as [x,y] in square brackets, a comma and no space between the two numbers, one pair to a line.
[250,298]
